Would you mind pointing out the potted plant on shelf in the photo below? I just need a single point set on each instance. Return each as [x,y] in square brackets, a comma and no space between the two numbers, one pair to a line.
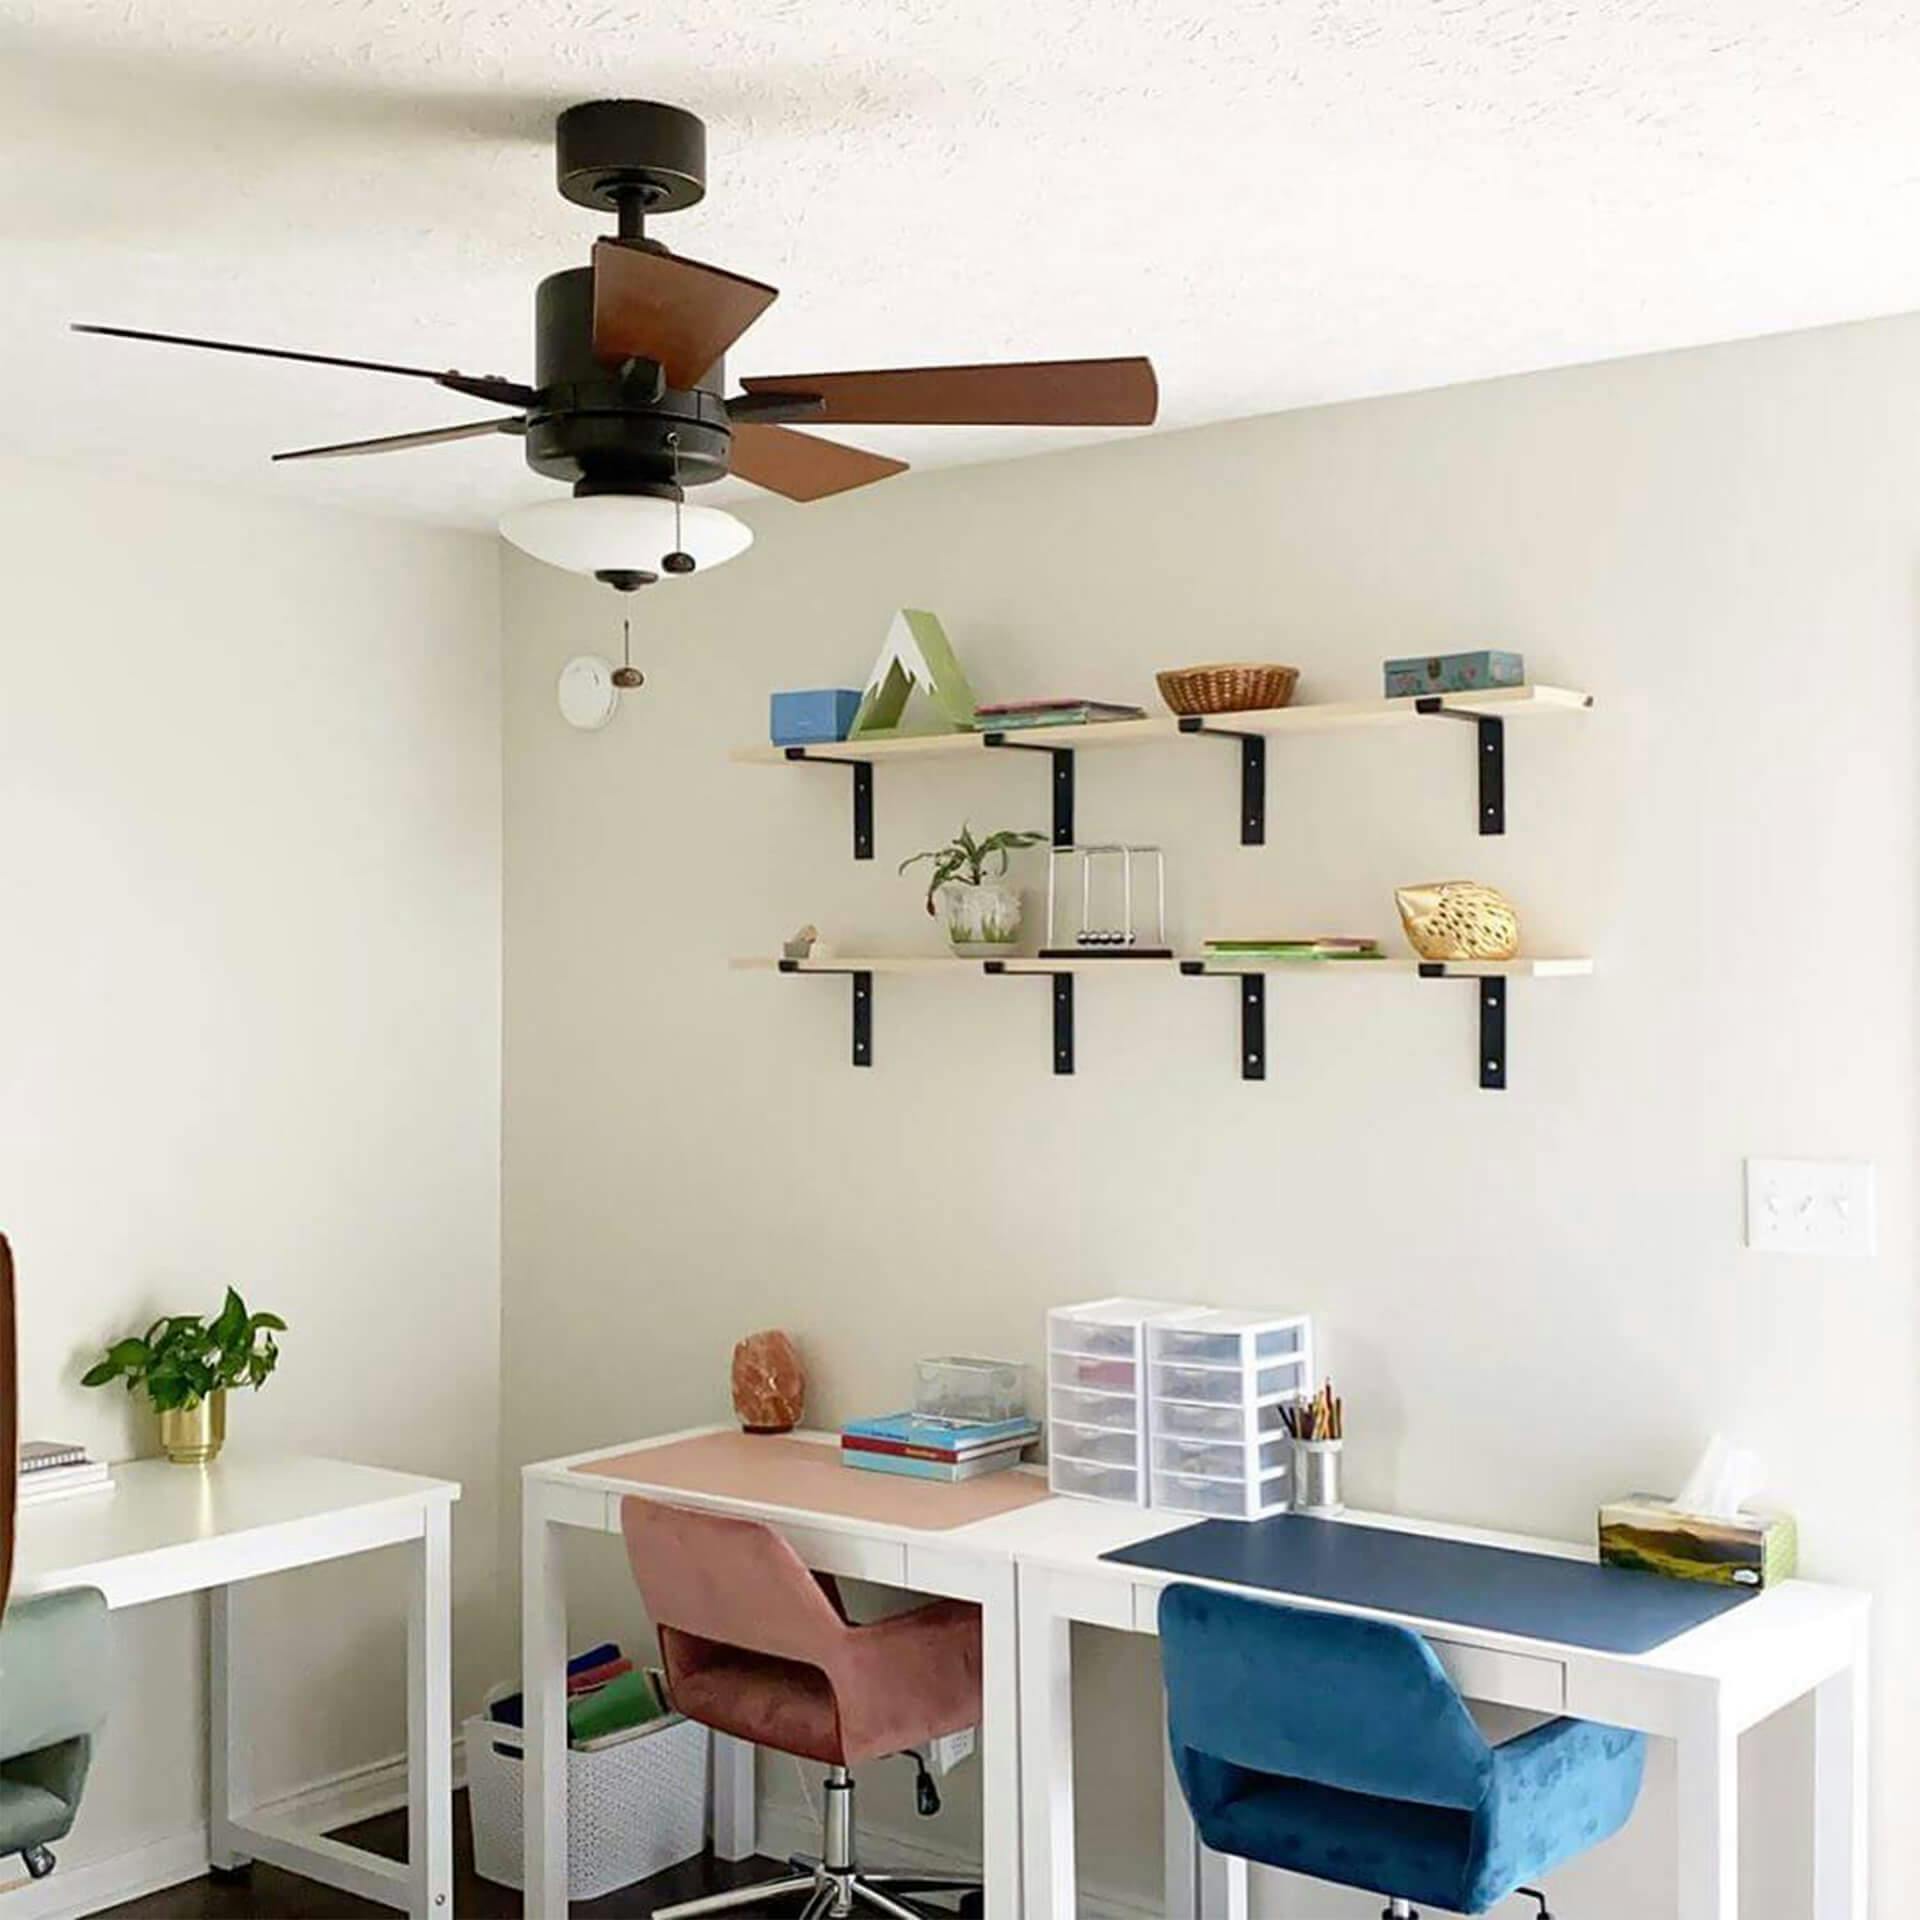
[983,917]
[186,1364]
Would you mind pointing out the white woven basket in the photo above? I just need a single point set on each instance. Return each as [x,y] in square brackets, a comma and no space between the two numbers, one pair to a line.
[633,1809]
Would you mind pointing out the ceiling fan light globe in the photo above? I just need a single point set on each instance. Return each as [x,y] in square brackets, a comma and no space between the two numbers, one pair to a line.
[623,533]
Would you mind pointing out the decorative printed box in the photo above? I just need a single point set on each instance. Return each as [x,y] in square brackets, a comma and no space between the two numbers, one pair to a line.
[820,713]
[1454,673]
[1643,1532]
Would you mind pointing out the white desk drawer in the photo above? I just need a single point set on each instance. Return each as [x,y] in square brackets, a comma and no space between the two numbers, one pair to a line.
[884,1562]
[1508,1679]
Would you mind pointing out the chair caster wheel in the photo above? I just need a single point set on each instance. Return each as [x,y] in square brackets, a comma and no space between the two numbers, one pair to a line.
[231,1876]
[38,1861]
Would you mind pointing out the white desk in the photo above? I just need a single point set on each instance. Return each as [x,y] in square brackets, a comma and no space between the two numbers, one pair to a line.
[168,1530]
[967,1562]
[1701,1690]
[1036,1571]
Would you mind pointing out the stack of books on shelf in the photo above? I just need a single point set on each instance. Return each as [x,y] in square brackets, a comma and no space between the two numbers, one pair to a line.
[1011,716]
[53,1469]
[925,1448]
[1295,947]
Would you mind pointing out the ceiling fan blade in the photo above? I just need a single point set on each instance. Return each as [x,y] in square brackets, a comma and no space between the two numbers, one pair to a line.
[509,393]
[398,442]
[656,306]
[802,467]
[1031,393]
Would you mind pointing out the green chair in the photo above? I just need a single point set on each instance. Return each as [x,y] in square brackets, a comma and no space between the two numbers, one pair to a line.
[54,1656]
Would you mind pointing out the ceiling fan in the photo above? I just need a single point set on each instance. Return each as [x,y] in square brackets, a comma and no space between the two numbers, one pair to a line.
[629,402]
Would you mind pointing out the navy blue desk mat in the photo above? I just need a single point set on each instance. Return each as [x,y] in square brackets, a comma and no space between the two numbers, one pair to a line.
[1502,1589]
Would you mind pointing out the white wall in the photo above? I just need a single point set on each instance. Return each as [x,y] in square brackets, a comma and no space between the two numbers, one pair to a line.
[249,1033]
[1535,1300]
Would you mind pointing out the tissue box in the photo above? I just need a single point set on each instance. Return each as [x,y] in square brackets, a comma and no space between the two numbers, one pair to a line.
[1454,673]
[819,713]
[1643,1532]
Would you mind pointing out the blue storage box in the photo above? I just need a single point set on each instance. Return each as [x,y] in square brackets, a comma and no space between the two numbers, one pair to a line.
[1454,673]
[819,713]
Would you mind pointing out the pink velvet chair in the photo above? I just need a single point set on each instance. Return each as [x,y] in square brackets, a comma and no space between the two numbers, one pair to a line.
[758,1647]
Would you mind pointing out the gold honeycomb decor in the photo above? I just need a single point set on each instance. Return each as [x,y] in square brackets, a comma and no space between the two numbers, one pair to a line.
[1459,920]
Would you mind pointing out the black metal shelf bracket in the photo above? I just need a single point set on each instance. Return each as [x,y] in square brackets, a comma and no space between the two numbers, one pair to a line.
[1493,1020]
[1062,1010]
[1253,775]
[1253,1014]
[1490,755]
[862,1004]
[1062,758]
[862,793]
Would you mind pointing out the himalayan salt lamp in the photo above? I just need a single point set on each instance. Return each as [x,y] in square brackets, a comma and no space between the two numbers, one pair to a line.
[769,1383]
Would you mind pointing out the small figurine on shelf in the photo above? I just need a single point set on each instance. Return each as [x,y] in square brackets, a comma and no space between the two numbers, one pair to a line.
[799,946]
[1459,920]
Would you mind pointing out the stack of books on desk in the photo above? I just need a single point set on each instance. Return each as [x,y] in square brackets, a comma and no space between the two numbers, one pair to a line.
[1323,946]
[1011,716]
[928,1449]
[53,1469]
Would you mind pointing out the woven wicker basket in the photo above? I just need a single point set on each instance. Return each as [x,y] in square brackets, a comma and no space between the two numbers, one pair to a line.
[1228,687]
[1459,920]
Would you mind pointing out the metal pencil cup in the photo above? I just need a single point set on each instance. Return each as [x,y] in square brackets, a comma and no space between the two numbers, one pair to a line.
[1316,1476]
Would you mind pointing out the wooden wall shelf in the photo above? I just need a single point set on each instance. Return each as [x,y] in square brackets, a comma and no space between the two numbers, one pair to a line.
[1490,976]
[1488,712]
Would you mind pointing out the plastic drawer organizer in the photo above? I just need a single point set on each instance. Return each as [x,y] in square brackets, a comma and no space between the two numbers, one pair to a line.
[1172,1406]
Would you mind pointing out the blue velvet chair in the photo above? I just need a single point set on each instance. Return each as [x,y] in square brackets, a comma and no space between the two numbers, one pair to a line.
[1337,1747]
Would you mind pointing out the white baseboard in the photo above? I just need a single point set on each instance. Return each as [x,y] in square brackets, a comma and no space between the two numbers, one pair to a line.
[321,1806]
[787,1828]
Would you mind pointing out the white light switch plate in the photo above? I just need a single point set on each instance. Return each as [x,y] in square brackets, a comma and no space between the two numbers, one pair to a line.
[1810,1206]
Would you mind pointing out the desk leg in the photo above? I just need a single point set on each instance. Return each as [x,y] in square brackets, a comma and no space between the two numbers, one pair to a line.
[543,1632]
[227,1787]
[1708,1811]
[430,1724]
[1840,1791]
[999,1741]
[1048,1876]
[735,1826]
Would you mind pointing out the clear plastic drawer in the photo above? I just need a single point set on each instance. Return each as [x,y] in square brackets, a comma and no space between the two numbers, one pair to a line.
[1098,1376]
[1097,1446]
[1221,1459]
[1093,1482]
[1118,1411]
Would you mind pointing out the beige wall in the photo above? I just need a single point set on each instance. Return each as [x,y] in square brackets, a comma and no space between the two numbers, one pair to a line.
[249,1020]
[1534,1300]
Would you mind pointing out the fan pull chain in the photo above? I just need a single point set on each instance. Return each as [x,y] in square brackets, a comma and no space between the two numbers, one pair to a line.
[627,675]
[679,560]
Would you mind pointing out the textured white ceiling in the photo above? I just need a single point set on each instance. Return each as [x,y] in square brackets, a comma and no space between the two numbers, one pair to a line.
[1283,203]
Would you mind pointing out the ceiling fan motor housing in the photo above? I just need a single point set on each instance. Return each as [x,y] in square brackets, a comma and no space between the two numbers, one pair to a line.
[605,428]
[607,149]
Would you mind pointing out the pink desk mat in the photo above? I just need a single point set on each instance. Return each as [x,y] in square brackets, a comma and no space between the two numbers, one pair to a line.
[802,1474]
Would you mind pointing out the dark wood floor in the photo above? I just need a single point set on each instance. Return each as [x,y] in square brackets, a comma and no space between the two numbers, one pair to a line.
[265,1893]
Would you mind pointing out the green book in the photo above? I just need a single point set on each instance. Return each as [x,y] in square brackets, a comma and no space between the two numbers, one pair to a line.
[629,1700]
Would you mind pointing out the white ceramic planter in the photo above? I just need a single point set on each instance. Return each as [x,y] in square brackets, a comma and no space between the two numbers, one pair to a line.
[983,923]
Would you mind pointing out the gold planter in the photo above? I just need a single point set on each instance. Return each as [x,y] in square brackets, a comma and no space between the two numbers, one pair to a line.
[195,1435]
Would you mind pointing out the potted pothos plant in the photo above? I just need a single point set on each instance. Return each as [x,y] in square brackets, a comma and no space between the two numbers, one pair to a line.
[983,917]
[185,1363]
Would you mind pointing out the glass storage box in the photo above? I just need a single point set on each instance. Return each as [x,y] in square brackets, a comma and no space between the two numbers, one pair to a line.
[955,1387]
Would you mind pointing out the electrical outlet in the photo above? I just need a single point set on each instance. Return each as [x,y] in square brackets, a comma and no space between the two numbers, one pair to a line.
[952,1748]
[1810,1206]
